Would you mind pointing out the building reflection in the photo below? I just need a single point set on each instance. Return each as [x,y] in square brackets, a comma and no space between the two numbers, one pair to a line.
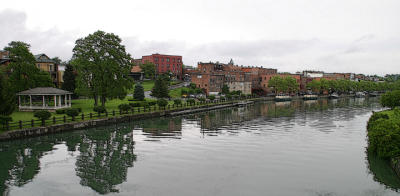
[162,128]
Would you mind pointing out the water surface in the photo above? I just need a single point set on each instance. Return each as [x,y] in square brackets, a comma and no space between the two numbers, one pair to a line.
[291,148]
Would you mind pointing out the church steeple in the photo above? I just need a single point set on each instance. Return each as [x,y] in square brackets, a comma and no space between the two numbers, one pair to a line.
[231,62]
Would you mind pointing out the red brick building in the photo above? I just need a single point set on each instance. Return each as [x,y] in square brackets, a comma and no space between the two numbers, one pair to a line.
[165,63]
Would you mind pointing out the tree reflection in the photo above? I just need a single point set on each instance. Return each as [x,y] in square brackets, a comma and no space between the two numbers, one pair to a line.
[20,160]
[382,172]
[104,158]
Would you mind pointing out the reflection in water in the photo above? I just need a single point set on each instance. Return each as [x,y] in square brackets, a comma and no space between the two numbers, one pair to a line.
[162,128]
[382,172]
[105,154]
[104,158]
[20,160]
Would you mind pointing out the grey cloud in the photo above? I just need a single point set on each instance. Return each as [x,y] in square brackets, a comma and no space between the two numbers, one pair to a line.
[52,41]
[368,54]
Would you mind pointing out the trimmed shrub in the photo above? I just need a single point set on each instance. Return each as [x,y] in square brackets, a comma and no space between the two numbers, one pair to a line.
[124,107]
[138,93]
[228,96]
[184,92]
[211,97]
[191,101]
[177,102]
[79,110]
[202,99]
[99,109]
[60,111]
[42,114]
[162,102]
[72,112]
[151,102]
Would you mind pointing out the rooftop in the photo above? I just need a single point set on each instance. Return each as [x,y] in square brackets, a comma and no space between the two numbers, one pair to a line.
[44,91]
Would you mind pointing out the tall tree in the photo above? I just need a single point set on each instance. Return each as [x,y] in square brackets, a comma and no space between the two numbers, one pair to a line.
[69,78]
[225,89]
[138,94]
[160,89]
[315,86]
[149,70]
[102,65]
[24,73]
[7,97]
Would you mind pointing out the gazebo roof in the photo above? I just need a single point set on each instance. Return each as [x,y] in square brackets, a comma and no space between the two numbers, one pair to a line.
[44,91]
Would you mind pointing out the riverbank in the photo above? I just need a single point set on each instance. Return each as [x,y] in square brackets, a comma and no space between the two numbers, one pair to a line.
[56,128]
[384,137]
[37,131]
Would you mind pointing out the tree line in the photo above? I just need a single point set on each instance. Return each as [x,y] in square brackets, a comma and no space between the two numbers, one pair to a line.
[319,86]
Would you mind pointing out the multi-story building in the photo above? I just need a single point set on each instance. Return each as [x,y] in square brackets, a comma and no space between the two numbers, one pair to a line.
[165,64]
[212,76]
[44,63]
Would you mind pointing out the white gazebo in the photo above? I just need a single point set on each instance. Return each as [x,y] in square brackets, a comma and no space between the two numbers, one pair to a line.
[44,98]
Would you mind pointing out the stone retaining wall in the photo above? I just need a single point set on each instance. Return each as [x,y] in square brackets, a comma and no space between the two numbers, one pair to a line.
[36,131]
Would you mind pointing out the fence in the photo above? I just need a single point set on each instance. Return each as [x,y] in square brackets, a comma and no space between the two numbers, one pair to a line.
[90,116]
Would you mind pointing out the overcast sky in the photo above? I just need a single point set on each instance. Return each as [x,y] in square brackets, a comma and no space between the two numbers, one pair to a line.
[361,36]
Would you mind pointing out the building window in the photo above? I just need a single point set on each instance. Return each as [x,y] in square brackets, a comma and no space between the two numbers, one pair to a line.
[167,59]
[198,76]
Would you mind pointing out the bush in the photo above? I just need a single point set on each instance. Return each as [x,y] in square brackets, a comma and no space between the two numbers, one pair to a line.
[124,107]
[198,91]
[99,109]
[202,99]
[211,97]
[190,101]
[79,110]
[72,112]
[384,134]
[391,99]
[136,104]
[228,96]
[184,92]
[42,114]
[162,102]
[138,93]
[60,111]
[177,102]
[151,102]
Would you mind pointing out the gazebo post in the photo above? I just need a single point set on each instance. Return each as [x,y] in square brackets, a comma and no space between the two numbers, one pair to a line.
[43,100]
[55,101]
[65,101]
[69,100]
[19,100]
[59,101]
[30,100]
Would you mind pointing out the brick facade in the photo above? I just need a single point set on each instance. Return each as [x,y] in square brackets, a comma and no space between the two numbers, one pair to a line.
[165,63]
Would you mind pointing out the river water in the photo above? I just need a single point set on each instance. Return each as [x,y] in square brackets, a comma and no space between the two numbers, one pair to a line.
[291,148]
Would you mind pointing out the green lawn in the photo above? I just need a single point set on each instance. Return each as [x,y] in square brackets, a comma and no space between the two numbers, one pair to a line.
[85,104]
[176,93]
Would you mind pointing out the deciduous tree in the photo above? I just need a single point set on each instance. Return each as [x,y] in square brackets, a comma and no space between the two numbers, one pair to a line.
[103,66]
